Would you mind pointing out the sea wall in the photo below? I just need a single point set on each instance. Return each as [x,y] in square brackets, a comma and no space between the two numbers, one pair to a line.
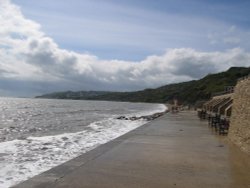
[239,132]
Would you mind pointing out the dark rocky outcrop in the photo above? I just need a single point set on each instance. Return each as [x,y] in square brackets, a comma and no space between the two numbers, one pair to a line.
[147,118]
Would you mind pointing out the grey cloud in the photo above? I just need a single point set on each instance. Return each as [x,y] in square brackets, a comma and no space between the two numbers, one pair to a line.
[194,67]
[4,72]
[36,64]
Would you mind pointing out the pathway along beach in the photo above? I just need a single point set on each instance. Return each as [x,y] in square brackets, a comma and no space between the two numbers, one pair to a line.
[175,150]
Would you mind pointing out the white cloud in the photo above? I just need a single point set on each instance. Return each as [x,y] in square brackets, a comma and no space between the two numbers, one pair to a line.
[27,55]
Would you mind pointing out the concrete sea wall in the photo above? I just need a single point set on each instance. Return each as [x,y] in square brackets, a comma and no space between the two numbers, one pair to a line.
[239,132]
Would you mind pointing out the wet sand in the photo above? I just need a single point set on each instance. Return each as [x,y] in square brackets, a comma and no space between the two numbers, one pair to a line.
[175,150]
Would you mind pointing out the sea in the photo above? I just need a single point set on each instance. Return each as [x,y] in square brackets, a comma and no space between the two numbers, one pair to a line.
[39,134]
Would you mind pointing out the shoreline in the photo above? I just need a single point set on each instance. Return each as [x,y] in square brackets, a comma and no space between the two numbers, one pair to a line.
[57,172]
[44,146]
[166,152]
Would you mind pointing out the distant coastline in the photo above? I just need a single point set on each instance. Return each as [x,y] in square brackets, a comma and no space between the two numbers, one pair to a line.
[188,93]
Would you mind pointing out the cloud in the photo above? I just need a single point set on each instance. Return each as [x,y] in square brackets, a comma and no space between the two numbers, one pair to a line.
[232,40]
[232,37]
[32,63]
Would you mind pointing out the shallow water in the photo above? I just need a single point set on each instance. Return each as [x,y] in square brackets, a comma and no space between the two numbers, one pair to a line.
[38,134]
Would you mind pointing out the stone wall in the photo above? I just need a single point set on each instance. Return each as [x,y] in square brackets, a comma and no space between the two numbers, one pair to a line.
[239,132]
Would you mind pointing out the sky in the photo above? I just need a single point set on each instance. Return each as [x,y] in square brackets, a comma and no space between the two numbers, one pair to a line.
[112,45]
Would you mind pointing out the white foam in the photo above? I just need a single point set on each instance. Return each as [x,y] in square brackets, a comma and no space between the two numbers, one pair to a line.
[22,159]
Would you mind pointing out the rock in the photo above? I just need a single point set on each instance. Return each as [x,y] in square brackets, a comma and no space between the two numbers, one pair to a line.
[65,138]
[46,144]
[121,117]
[44,148]
[32,130]
[147,118]
[22,138]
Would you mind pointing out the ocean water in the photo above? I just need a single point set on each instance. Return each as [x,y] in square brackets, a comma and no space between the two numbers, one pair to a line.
[39,134]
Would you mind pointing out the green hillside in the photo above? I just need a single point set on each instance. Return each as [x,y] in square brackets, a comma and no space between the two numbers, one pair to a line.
[186,92]
[76,95]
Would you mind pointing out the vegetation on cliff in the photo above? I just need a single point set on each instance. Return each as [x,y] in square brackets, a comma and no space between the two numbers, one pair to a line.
[187,92]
